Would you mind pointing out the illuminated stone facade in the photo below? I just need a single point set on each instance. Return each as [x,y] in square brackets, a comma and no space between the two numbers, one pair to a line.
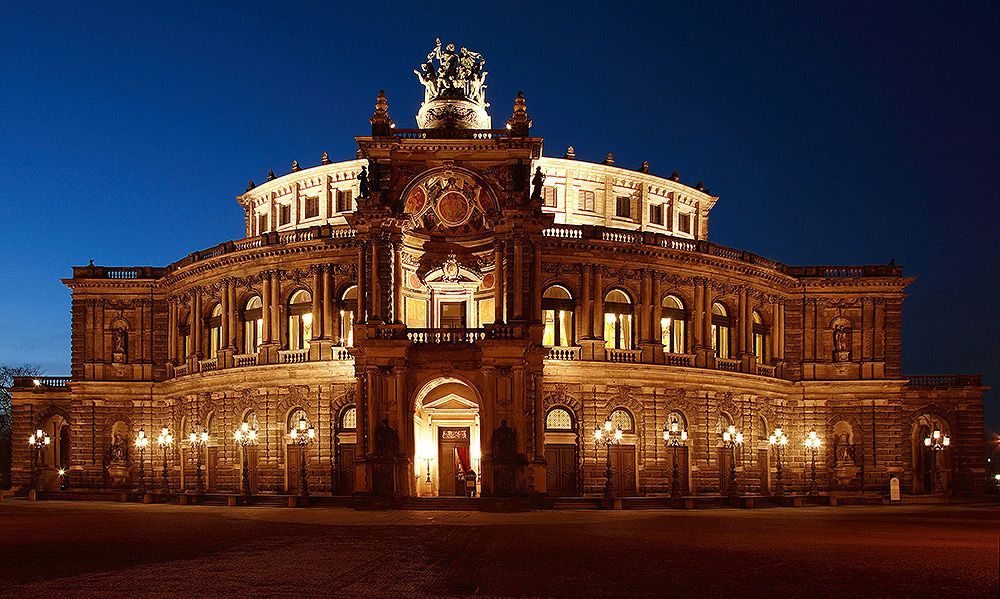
[454,311]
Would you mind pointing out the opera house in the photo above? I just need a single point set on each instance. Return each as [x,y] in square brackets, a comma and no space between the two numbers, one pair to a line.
[452,313]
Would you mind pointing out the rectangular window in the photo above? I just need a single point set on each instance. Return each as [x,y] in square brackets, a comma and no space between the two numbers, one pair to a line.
[549,197]
[656,214]
[486,311]
[344,200]
[623,207]
[262,224]
[586,200]
[284,214]
[684,223]
[312,207]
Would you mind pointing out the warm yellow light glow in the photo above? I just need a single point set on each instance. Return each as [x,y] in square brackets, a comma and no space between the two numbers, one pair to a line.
[684,435]
[618,435]
[37,382]
[244,427]
[607,426]
[947,441]
[739,438]
[927,441]
[597,435]
[62,472]
[294,434]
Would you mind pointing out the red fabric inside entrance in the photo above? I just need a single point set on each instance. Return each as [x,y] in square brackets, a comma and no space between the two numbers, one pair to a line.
[463,458]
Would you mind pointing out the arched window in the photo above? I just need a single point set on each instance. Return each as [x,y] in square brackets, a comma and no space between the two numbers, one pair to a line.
[348,306]
[211,425]
[294,417]
[722,423]
[299,320]
[186,338]
[559,419]
[349,419]
[721,331]
[215,331]
[621,418]
[759,338]
[617,320]
[250,418]
[253,325]
[679,418]
[673,325]
[557,313]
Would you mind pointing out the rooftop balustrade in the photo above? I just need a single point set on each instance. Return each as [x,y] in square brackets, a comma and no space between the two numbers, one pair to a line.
[945,380]
[37,382]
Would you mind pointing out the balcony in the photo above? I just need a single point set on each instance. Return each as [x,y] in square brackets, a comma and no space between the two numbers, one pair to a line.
[945,380]
[564,353]
[623,356]
[727,364]
[679,359]
[39,382]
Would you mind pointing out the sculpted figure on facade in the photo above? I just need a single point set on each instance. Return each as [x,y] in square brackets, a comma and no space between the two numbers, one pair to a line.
[536,182]
[458,75]
[504,438]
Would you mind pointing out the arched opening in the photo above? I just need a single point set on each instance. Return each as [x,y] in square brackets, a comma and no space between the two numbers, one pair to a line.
[212,453]
[345,438]
[558,312]
[931,455]
[763,455]
[299,320]
[617,320]
[348,305]
[293,451]
[676,424]
[673,325]
[623,455]
[448,440]
[561,452]
[251,454]
[721,331]
[215,331]
[760,332]
[253,325]
[55,455]
[727,456]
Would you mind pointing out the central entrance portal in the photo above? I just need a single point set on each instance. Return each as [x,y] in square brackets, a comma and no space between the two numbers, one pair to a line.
[446,430]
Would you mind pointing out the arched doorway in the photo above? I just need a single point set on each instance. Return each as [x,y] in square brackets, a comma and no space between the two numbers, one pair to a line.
[446,433]
[931,468]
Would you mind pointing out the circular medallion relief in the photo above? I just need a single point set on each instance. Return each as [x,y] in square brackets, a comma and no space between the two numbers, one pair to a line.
[453,209]
[415,201]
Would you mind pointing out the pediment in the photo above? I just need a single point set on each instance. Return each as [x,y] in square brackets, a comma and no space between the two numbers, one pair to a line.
[451,402]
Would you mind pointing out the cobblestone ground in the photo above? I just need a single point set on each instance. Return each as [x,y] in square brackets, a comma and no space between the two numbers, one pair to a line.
[80,549]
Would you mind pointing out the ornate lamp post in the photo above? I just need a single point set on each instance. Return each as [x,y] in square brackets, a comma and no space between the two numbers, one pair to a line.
[778,441]
[608,437]
[937,443]
[675,437]
[812,443]
[199,441]
[730,439]
[142,442]
[37,441]
[245,436]
[62,479]
[303,435]
[165,440]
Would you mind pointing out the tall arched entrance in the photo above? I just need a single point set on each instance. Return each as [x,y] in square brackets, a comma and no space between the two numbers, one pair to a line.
[446,432]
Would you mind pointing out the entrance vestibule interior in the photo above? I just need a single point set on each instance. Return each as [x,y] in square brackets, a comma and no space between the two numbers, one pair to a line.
[447,434]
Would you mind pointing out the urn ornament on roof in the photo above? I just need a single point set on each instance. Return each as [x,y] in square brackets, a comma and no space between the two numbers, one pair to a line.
[454,90]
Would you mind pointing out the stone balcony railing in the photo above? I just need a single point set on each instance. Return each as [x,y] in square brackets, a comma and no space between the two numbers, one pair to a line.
[679,359]
[727,364]
[39,382]
[945,380]
[564,353]
[626,356]
[293,356]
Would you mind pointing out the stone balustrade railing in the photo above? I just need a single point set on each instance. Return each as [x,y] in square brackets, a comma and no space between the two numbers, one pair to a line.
[242,360]
[293,356]
[445,335]
[727,364]
[765,370]
[208,365]
[679,359]
[564,353]
[626,356]
[945,380]
[29,382]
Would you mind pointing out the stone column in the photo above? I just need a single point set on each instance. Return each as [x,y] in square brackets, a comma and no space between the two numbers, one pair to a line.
[265,308]
[518,275]
[585,319]
[374,285]
[328,304]
[538,465]
[225,354]
[397,280]
[486,426]
[775,332]
[197,326]
[361,312]
[172,330]
[536,282]
[656,312]
[498,285]
[315,348]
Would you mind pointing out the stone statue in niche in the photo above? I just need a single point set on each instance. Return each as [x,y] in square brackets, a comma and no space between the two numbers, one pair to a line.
[363,179]
[386,443]
[374,175]
[119,449]
[504,441]
[843,450]
[537,181]
[119,337]
[841,342]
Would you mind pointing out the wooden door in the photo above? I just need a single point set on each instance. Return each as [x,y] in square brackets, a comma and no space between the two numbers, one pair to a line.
[764,470]
[682,469]
[725,465]
[346,469]
[251,454]
[561,470]
[182,456]
[292,466]
[212,470]
[623,469]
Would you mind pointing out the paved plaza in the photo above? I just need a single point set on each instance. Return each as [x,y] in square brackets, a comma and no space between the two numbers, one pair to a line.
[88,549]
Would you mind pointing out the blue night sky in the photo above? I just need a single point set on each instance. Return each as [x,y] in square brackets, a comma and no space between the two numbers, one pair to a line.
[840,134]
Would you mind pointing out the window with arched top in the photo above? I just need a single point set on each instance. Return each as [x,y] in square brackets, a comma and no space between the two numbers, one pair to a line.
[253,325]
[559,419]
[558,312]
[211,425]
[300,319]
[721,331]
[349,419]
[722,423]
[295,416]
[673,325]
[622,418]
[760,331]
[215,331]
[679,418]
[250,418]
[184,332]
[348,307]
[617,320]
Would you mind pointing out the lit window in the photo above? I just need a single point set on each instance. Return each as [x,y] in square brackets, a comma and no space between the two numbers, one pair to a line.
[621,418]
[294,418]
[673,325]
[720,331]
[586,200]
[557,314]
[284,214]
[559,419]
[759,338]
[299,320]
[549,197]
[617,320]
[348,304]
[344,200]
[656,214]
[623,207]
[312,207]
[253,325]
[215,331]
[349,419]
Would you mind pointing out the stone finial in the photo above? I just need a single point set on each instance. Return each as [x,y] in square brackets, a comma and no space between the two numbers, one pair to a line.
[519,123]
[381,121]
[675,177]
[325,159]
[700,186]
[609,160]
[270,175]
[645,167]
[295,166]
[570,153]
[250,185]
